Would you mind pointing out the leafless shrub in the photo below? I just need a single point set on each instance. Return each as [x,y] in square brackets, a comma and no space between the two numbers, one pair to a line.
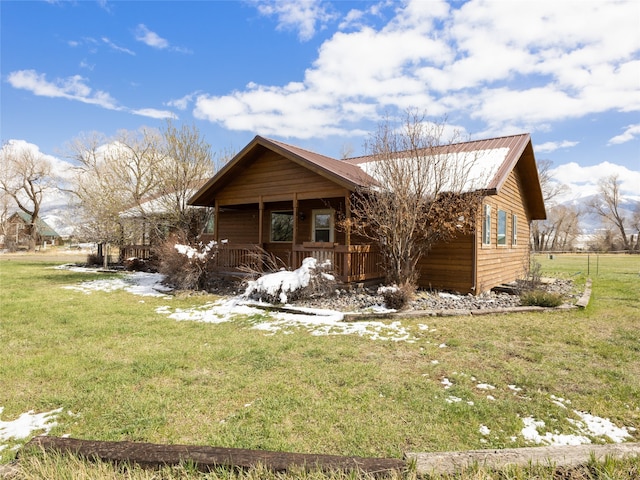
[259,261]
[322,282]
[534,276]
[398,297]
[94,259]
[136,265]
[188,267]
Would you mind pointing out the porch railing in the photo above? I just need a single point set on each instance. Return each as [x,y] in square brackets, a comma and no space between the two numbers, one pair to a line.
[352,263]
[143,252]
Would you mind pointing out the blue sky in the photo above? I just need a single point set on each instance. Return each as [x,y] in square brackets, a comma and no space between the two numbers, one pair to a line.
[322,75]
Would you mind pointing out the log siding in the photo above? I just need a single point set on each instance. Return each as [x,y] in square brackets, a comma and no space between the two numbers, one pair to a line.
[498,264]
[269,176]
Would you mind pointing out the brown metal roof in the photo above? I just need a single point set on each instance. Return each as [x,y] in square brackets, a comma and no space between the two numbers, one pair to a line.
[348,173]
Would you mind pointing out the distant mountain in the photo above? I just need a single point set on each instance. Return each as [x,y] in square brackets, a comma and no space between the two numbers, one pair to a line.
[56,212]
[591,222]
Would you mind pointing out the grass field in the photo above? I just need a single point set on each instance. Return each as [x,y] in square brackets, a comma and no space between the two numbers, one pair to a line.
[119,370]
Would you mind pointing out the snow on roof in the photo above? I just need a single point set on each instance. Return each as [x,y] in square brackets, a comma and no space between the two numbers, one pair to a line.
[154,206]
[474,169]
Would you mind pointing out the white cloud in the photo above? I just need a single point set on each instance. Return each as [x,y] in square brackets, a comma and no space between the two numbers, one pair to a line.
[183,102]
[301,15]
[71,88]
[155,113]
[583,180]
[117,48]
[553,146]
[512,65]
[87,65]
[76,88]
[630,133]
[104,4]
[152,39]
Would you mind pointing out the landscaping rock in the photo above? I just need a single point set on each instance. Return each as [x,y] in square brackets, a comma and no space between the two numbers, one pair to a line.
[363,299]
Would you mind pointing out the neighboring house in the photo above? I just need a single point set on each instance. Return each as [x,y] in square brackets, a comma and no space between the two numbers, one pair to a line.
[17,232]
[287,200]
[145,226]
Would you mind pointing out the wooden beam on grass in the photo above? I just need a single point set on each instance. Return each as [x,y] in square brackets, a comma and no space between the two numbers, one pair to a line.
[438,463]
[150,455]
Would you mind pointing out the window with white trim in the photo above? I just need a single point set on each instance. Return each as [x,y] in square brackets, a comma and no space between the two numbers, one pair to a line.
[502,227]
[322,224]
[514,229]
[486,226]
[282,226]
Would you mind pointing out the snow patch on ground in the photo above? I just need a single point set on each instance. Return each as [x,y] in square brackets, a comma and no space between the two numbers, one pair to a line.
[25,425]
[601,427]
[485,386]
[531,434]
[223,310]
[137,283]
[314,321]
[588,426]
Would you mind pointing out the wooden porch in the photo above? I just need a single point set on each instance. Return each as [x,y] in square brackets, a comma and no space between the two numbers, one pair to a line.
[353,263]
[350,263]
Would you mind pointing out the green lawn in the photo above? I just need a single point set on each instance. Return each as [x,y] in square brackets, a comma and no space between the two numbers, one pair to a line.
[122,371]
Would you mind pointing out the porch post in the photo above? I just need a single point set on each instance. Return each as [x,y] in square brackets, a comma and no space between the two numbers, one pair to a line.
[216,220]
[260,220]
[295,217]
[347,207]
[347,236]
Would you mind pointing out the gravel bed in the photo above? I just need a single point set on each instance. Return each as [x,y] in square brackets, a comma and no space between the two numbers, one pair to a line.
[361,299]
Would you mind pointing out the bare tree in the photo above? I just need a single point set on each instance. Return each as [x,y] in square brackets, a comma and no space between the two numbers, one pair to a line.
[112,176]
[186,165]
[607,205]
[635,225]
[566,227]
[5,205]
[138,183]
[98,199]
[423,193]
[550,188]
[558,231]
[543,232]
[25,177]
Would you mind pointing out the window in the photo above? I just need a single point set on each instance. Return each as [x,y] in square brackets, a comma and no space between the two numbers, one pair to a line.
[486,226]
[210,226]
[282,226]
[502,227]
[514,230]
[322,226]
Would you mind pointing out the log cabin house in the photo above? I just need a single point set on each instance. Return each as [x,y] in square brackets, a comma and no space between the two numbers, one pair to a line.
[17,232]
[286,200]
